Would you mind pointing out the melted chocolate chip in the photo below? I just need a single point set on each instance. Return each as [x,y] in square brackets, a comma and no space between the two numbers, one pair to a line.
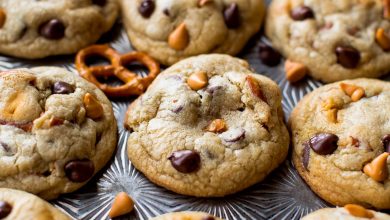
[386,143]
[99,2]
[146,8]
[324,143]
[53,29]
[231,15]
[185,161]
[301,13]
[306,155]
[347,57]
[79,170]
[268,55]
[62,88]
[5,209]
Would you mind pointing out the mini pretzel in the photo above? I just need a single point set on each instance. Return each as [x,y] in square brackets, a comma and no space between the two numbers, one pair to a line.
[133,83]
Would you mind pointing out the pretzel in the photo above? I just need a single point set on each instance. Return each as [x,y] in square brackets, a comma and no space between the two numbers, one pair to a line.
[133,83]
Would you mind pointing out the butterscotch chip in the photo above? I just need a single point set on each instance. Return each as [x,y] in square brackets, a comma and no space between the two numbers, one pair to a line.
[122,205]
[377,169]
[3,17]
[294,71]
[382,39]
[93,107]
[386,9]
[197,80]
[217,126]
[204,2]
[358,211]
[179,38]
[355,92]
[255,88]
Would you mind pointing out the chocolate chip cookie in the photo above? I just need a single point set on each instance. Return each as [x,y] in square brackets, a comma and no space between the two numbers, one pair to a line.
[208,126]
[56,131]
[172,30]
[341,139]
[37,29]
[186,216]
[19,205]
[349,212]
[335,40]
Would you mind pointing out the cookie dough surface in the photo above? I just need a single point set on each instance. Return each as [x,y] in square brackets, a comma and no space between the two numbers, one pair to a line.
[37,29]
[173,146]
[19,205]
[51,140]
[207,29]
[341,214]
[186,216]
[356,129]
[313,31]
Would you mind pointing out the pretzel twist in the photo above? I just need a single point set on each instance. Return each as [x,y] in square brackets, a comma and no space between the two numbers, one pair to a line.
[133,83]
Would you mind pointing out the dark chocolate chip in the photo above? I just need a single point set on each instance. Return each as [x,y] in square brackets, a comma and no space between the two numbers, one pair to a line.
[5,209]
[208,218]
[268,55]
[386,143]
[324,143]
[306,155]
[231,15]
[53,29]
[79,170]
[301,13]
[347,56]
[62,88]
[99,2]
[185,161]
[146,8]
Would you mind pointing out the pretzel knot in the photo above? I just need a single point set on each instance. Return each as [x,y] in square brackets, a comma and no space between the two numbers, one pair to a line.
[133,83]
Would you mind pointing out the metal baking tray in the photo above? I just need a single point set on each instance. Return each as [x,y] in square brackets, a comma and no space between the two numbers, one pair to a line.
[283,195]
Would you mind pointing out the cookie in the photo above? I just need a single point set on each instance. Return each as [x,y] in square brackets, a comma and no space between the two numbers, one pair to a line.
[56,131]
[341,142]
[37,29]
[349,212]
[19,205]
[173,30]
[186,216]
[335,40]
[207,127]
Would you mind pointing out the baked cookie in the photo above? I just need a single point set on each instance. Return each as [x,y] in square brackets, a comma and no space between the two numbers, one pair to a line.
[172,30]
[186,216]
[56,131]
[336,39]
[37,29]
[19,205]
[349,212]
[207,127]
[341,142]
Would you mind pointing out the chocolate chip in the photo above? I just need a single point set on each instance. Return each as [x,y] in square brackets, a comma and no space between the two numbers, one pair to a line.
[301,13]
[5,209]
[53,29]
[268,55]
[231,15]
[99,2]
[146,8]
[79,170]
[166,12]
[386,143]
[347,56]
[185,161]
[62,88]
[324,143]
[306,155]
[208,218]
